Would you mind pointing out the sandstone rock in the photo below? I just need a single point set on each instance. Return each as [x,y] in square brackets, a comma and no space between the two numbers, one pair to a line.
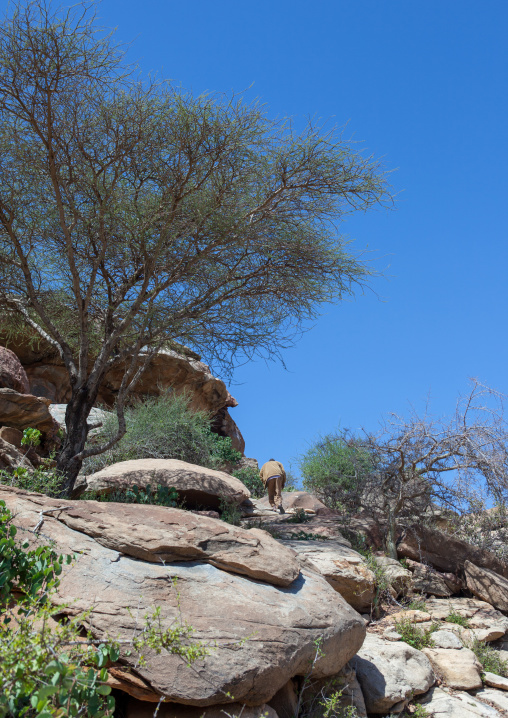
[413,615]
[487,585]
[444,552]
[11,457]
[398,576]
[12,374]
[344,569]
[285,701]
[199,487]
[446,639]
[300,500]
[499,699]
[495,681]
[11,436]
[459,669]
[138,709]
[162,534]
[459,705]
[25,410]
[480,614]
[427,580]
[390,673]
[260,635]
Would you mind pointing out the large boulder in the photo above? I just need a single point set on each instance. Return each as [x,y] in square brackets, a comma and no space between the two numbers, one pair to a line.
[21,411]
[300,500]
[12,458]
[487,585]
[445,552]
[441,704]
[199,487]
[427,580]
[260,635]
[397,576]
[390,673]
[344,569]
[12,374]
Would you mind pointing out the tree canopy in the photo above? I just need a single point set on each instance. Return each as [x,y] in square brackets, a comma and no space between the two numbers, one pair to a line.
[133,214]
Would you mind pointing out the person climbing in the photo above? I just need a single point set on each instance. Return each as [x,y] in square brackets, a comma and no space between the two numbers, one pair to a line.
[273,476]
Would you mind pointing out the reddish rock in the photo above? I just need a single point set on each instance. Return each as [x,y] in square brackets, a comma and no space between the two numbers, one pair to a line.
[12,374]
[11,435]
[22,411]
[300,500]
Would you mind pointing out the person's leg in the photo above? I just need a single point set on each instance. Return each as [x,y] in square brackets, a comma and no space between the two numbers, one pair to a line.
[278,493]
[270,485]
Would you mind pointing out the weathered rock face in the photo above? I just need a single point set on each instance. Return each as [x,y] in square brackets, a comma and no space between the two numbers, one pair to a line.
[457,705]
[47,377]
[138,709]
[459,668]
[12,374]
[427,580]
[344,569]
[21,411]
[487,585]
[398,576]
[445,552]
[390,672]
[299,500]
[197,486]
[279,625]
[11,457]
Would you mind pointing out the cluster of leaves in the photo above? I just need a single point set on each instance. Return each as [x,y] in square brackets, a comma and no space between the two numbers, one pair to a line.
[489,657]
[164,427]
[42,479]
[415,636]
[249,476]
[454,617]
[156,495]
[304,536]
[300,516]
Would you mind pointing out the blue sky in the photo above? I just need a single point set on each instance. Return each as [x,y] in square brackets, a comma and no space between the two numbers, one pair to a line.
[423,84]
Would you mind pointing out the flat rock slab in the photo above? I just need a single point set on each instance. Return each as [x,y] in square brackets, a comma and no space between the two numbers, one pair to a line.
[440,703]
[199,487]
[344,569]
[390,672]
[446,639]
[299,500]
[487,585]
[161,534]
[260,635]
[499,699]
[459,668]
[140,709]
[495,681]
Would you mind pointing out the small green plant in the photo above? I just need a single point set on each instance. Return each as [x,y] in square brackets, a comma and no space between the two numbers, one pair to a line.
[230,511]
[157,495]
[300,516]
[304,536]
[489,657]
[31,437]
[249,476]
[41,479]
[454,617]
[415,636]
[416,604]
[416,711]
[403,562]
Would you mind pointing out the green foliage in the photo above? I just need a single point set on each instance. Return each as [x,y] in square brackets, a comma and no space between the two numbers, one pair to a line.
[157,495]
[299,517]
[334,468]
[454,617]
[31,437]
[417,711]
[230,512]
[304,536]
[41,479]
[164,427]
[489,657]
[416,604]
[249,476]
[413,635]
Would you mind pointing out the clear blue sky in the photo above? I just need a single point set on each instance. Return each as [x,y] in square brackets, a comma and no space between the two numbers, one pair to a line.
[424,84]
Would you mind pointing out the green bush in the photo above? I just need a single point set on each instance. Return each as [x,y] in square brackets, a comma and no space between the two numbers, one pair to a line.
[413,635]
[42,480]
[164,427]
[249,476]
[230,512]
[334,469]
[300,516]
[156,495]
[489,657]
[454,617]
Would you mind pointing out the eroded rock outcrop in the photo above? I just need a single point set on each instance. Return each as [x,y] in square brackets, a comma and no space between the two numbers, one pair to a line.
[487,585]
[12,374]
[260,635]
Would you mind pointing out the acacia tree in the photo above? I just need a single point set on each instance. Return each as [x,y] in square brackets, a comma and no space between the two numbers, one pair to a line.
[133,214]
[416,463]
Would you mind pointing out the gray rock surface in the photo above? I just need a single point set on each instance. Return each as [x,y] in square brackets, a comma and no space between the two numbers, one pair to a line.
[398,576]
[458,668]
[390,672]
[441,704]
[259,635]
[499,699]
[487,585]
[446,639]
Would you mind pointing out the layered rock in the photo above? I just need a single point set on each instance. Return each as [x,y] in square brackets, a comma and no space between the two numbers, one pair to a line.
[260,635]
[458,668]
[440,703]
[487,585]
[21,411]
[398,576]
[197,486]
[12,374]
[344,569]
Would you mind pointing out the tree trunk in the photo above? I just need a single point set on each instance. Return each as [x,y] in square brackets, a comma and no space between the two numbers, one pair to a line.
[391,532]
[76,416]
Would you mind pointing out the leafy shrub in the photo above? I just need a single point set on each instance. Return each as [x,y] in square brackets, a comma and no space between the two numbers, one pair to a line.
[164,427]
[299,517]
[489,657]
[230,512]
[42,480]
[454,617]
[334,469]
[413,635]
[157,495]
[249,476]
[304,536]
[416,604]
